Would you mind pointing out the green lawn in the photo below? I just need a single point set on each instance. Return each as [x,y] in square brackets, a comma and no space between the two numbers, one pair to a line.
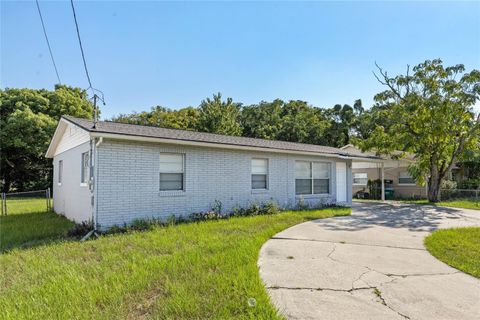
[28,224]
[458,247]
[188,271]
[456,203]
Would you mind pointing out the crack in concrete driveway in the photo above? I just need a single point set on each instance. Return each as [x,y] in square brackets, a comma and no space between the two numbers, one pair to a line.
[370,265]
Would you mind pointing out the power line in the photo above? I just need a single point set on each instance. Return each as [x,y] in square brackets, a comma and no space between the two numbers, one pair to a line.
[81,49]
[48,42]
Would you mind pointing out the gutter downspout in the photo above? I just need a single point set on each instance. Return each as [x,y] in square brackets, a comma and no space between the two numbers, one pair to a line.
[92,185]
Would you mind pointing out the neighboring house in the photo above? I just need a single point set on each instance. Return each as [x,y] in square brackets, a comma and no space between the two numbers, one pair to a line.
[115,173]
[396,175]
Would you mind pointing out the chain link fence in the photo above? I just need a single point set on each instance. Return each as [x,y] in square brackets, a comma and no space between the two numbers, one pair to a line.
[418,193]
[455,194]
[26,202]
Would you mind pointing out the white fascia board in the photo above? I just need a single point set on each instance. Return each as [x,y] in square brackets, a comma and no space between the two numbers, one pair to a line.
[57,135]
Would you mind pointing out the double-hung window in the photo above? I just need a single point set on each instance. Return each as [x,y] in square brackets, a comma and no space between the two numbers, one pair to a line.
[172,167]
[405,178]
[60,171]
[360,179]
[85,168]
[312,177]
[259,173]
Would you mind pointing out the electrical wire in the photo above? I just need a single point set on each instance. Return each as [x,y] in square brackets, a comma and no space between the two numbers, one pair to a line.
[48,42]
[81,49]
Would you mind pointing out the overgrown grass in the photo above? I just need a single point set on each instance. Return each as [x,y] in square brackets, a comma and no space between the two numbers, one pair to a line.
[189,271]
[458,247]
[28,224]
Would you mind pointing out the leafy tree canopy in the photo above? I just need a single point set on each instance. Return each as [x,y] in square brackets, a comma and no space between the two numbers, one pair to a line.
[428,113]
[28,120]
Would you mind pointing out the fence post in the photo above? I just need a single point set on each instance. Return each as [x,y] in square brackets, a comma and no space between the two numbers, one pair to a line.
[46,199]
[4,204]
[49,203]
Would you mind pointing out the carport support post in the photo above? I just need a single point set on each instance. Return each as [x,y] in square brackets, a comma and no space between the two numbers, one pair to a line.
[383,181]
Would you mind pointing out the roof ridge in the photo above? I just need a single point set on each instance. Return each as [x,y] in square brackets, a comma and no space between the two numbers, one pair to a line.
[339,150]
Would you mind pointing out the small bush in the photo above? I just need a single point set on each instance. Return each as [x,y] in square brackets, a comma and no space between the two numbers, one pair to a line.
[206,215]
[144,224]
[118,229]
[238,211]
[80,229]
[301,204]
[270,207]
[470,184]
[253,210]
[448,184]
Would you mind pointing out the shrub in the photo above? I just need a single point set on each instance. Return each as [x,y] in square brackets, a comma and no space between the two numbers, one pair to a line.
[301,204]
[238,211]
[80,229]
[144,224]
[448,184]
[117,229]
[270,207]
[206,215]
[253,210]
[375,188]
[470,184]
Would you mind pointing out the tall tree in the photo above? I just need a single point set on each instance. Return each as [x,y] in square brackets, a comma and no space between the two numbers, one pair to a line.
[428,113]
[219,116]
[262,120]
[302,123]
[186,118]
[344,121]
[28,119]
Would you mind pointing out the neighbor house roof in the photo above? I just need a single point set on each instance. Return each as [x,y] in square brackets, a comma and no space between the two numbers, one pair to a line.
[149,133]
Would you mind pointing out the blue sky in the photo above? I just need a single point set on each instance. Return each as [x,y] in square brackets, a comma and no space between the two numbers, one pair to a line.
[175,54]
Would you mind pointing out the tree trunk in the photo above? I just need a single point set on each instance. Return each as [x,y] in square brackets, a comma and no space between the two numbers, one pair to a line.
[434,188]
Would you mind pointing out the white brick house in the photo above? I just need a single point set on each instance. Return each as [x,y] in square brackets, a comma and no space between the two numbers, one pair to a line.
[116,173]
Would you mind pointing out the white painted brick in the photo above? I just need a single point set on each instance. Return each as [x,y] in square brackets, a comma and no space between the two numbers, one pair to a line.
[128,182]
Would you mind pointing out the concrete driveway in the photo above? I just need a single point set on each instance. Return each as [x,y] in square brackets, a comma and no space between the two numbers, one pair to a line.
[371,265]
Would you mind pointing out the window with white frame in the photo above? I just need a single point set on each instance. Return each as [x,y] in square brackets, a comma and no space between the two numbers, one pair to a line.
[405,178]
[85,168]
[312,177]
[60,171]
[172,171]
[259,173]
[360,179]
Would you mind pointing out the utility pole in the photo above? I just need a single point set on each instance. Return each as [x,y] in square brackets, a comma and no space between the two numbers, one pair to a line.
[95,113]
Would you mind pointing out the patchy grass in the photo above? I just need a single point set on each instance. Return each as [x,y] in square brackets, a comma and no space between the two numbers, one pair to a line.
[28,224]
[458,247]
[188,271]
[466,203]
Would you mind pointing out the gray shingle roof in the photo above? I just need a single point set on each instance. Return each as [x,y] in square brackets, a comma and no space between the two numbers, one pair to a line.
[194,136]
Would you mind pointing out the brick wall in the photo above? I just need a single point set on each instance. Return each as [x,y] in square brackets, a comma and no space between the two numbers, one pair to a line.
[128,181]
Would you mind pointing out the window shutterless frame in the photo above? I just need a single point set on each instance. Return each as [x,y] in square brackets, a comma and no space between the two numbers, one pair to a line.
[360,179]
[312,178]
[405,178]
[85,169]
[259,172]
[172,172]
[60,172]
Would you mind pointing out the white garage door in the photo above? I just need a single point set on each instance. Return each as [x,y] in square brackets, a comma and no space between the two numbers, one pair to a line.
[341,181]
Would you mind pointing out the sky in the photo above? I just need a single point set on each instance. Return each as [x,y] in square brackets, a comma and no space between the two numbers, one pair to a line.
[174,54]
